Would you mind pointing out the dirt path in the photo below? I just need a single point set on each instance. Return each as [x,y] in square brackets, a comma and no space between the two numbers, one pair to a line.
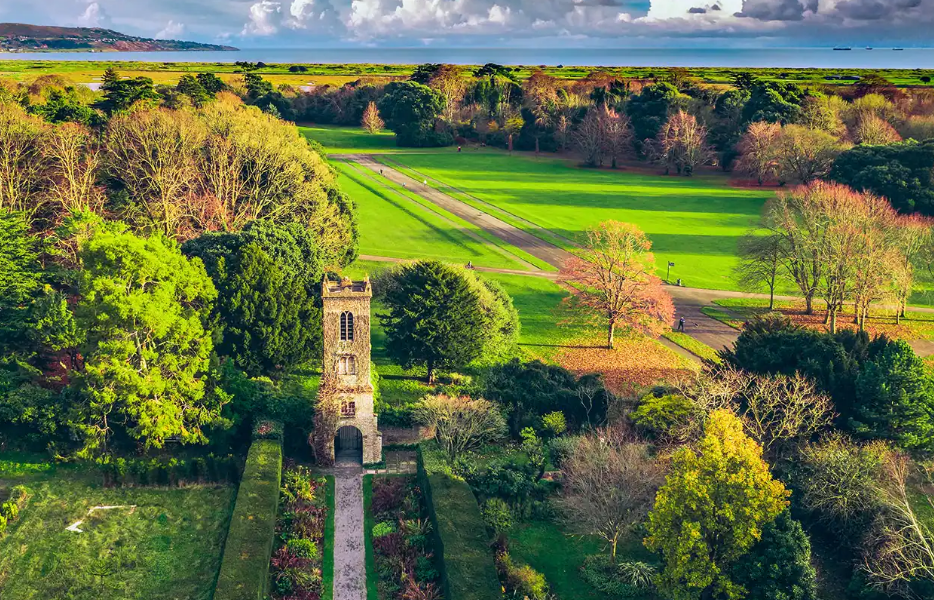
[349,552]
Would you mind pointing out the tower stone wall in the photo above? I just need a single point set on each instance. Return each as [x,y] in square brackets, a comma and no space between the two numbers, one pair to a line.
[346,322]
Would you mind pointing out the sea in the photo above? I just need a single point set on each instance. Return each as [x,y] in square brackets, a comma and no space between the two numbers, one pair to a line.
[825,58]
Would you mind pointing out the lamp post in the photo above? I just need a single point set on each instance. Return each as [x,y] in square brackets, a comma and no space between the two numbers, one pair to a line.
[668,276]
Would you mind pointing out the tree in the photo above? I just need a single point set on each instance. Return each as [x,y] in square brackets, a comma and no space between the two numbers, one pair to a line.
[410,110]
[74,166]
[371,121]
[649,110]
[143,306]
[773,102]
[805,154]
[760,264]
[460,423]
[900,549]
[20,281]
[618,135]
[438,317]
[590,137]
[712,510]
[22,162]
[191,87]
[153,154]
[614,280]
[121,94]
[758,151]
[903,173]
[681,144]
[449,80]
[778,566]
[895,398]
[609,484]
[211,83]
[874,131]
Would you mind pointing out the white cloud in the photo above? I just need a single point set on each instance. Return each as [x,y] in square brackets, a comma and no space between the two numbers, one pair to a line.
[264,19]
[94,16]
[173,30]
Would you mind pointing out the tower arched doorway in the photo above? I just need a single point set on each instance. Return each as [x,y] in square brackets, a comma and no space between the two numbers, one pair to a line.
[348,446]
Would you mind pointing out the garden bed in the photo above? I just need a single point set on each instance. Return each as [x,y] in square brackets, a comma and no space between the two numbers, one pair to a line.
[400,558]
[297,566]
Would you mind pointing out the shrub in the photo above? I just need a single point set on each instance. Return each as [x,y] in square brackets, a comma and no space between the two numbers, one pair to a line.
[252,526]
[561,448]
[267,429]
[302,548]
[497,515]
[663,417]
[601,573]
[383,529]
[554,424]
[522,581]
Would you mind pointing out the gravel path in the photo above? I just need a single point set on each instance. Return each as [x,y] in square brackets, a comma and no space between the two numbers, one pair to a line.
[349,553]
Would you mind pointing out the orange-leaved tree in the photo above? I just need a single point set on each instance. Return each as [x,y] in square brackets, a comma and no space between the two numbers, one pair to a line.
[614,280]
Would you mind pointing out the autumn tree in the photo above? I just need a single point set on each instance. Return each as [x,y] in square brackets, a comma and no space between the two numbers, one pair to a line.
[711,510]
[758,151]
[805,154]
[760,264]
[874,131]
[609,485]
[614,280]
[22,162]
[371,121]
[681,144]
[460,423]
[451,82]
[143,308]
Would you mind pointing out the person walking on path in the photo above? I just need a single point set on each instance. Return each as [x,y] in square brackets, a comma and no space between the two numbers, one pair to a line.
[681,324]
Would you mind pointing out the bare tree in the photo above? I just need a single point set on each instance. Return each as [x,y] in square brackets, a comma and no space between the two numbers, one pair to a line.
[618,135]
[610,483]
[900,548]
[74,165]
[22,163]
[460,423]
[806,154]
[452,83]
[682,144]
[758,151]
[760,264]
[371,121]
[615,280]
[873,130]
[590,137]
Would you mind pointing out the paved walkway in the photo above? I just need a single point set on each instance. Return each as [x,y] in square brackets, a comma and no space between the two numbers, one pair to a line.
[349,552]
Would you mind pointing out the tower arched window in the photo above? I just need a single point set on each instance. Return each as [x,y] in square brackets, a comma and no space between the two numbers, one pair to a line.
[346,327]
[346,365]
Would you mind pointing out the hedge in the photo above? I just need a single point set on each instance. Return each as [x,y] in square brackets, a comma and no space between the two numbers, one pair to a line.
[173,472]
[466,559]
[245,566]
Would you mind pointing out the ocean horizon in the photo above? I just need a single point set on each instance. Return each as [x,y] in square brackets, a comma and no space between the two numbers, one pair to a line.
[791,58]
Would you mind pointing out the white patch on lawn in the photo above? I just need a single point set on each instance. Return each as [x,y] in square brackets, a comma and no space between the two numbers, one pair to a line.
[74,526]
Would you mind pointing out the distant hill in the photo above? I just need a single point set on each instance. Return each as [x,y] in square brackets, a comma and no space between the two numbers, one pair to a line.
[17,37]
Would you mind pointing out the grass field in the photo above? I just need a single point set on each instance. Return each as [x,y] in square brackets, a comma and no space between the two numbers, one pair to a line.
[693,222]
[167,547]
[396,226]
[347,140]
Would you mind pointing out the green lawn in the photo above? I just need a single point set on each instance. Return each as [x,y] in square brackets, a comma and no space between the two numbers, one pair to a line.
[694,222]
[395,226]
[558,555]
[346,140]
[167,547]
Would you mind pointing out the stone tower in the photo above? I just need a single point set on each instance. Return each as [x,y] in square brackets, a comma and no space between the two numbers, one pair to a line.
[347,362]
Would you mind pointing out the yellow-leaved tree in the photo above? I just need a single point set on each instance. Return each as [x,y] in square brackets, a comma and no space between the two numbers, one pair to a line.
[711,511]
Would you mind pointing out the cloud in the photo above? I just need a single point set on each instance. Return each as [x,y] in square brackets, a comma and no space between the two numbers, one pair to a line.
[773,10]
[173,30]
[94,16]
[264,19]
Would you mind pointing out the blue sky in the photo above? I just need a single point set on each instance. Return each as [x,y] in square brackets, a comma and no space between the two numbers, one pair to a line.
[499,23]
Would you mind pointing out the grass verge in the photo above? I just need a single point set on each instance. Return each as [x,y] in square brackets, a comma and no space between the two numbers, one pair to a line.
[695,347]
[722,316]
[327,565]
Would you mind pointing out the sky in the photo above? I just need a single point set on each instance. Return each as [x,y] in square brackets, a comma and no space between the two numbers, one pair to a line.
[498,23]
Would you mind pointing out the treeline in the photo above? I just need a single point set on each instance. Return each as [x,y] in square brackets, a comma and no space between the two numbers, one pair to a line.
[160,265]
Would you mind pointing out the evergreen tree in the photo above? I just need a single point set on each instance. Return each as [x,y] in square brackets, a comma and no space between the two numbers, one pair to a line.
[20,280]
[779,566]
[895,398]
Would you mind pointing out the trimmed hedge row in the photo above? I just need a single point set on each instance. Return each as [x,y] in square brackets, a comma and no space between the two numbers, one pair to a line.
[171,472]
[466,559]
[245,567]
